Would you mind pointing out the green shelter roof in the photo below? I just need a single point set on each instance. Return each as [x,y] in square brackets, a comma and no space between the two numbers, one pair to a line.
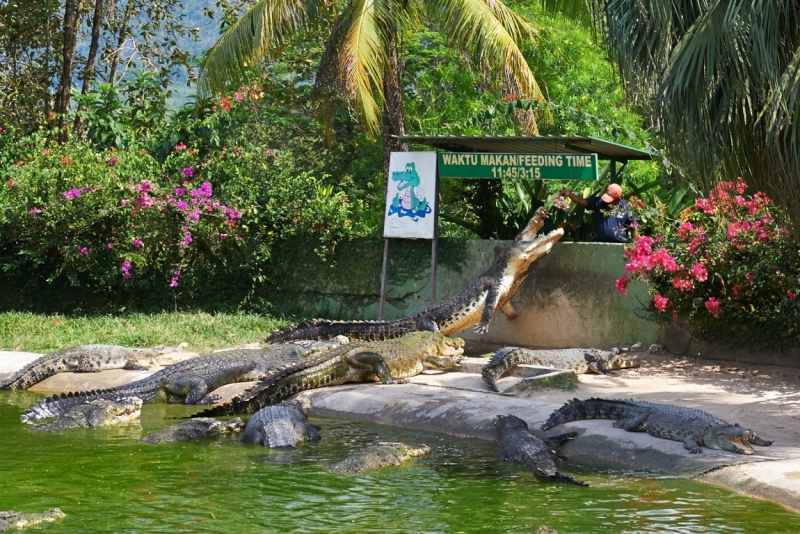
[532,144]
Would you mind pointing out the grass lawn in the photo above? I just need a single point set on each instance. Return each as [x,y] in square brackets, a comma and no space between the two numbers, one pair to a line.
[202,331]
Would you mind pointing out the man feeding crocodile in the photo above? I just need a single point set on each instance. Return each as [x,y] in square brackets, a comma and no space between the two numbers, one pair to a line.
[612,215]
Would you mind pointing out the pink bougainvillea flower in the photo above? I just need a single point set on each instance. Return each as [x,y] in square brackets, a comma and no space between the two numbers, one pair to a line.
[137,243]
[180,146]
[125,268]
[660,302]
[749,278]
[682,283]
[699,272]
[510,97]
[713,305]
[35,211]
[112,161]
[84,250]
[173,283]
[188,172]
[792,295]
[737,289]
[110,246]
[124,201]
[621,284]
[11,183]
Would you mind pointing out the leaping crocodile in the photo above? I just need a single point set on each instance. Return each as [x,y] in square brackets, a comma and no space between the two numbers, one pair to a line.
[517,444]
[390,362]
[491,291]
[580,360]
[188,381]
[85,359]
[693,427]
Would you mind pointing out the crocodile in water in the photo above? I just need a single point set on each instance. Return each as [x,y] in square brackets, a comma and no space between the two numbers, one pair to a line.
[188,381]
[381,455]
[389,361]
[201,427]
[517,444]
[693,427]
[93,414]
[580,360]
[18,520]
[85,359]
[491,291]
[281,426]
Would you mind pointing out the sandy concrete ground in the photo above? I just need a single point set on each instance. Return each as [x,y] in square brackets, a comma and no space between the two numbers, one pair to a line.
[764,398]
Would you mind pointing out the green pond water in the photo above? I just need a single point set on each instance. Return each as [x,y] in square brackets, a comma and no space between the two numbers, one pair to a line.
[107,482]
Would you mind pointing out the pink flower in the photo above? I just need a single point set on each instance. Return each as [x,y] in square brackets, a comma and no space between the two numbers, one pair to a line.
[792,294]
[749,278]
[112,161]
[682,284]
[35,211]
[173,283]
[11,183]
[188,172]
[187,238]
[72,193]
[621,285]
[110,246]
[704,205]
[685,230]
[125,268]
[737,289]
[223,236]
[83,250]
[699,272]
[137,243]
[124,201]
[660,302]
[713,305]
[510,97]
[180,146]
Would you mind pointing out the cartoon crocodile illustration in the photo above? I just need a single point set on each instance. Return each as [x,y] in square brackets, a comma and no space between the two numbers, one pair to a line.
[409,203]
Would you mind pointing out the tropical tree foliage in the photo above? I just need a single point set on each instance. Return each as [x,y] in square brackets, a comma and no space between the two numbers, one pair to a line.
[361,62]
[720,82]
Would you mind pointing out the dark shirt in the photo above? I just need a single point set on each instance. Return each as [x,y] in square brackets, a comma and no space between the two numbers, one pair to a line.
[613,221]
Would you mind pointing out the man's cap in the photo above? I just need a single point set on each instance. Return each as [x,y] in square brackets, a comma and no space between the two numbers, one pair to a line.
[613,192]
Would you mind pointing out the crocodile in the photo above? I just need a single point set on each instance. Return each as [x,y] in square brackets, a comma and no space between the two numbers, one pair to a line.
[517,444]
[281,426]
[693,427]
[390,362]
[86,359]
[195,429]
[475,305]
[17,520]
[580,360]
[93,414]
[381,455]
[188,381]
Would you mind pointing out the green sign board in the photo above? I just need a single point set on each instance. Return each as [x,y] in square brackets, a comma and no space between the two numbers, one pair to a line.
[518,166]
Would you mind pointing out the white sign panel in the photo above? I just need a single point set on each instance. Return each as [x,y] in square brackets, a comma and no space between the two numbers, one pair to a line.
[411,199]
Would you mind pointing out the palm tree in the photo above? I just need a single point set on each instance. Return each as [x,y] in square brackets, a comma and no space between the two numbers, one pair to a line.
[720,80]
[361,61]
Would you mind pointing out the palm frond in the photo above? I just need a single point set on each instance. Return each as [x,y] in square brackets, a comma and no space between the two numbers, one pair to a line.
[490,31]
[363,58]
[260,31]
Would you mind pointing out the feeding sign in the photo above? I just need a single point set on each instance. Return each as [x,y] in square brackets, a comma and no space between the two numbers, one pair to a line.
[518,166]
[410,198]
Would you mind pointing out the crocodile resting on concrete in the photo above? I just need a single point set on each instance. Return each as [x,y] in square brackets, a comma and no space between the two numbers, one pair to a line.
[85,359]
[390,362]
[188,381]
[17,520]
[489,292]
[281,426]
[580,360]
[693,427]
[517,444]
[381,455]
[202,427]
[95,413]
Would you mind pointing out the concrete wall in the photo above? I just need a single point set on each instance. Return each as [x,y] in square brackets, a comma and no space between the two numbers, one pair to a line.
[568,300]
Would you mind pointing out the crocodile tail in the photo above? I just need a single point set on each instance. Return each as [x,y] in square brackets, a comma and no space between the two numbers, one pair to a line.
[566,479]
[266,391]
[36,371]
[580,410]
[59,404]
[501,362]
[355,330]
